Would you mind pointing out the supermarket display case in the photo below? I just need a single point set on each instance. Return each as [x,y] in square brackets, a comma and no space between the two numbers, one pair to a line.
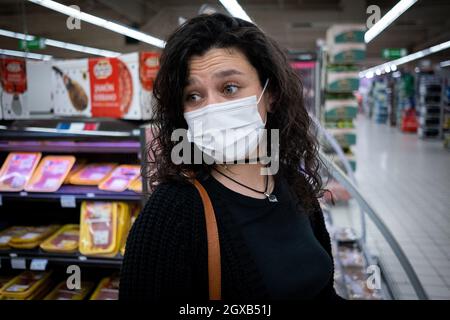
[90,140]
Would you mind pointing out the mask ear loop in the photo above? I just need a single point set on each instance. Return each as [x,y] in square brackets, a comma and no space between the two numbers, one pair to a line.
[264,89]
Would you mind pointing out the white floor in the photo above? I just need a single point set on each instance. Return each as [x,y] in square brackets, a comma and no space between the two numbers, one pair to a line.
[407,181]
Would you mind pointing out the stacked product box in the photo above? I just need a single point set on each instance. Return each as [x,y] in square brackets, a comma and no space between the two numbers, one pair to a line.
[429,101]
[381,99]
[405,102]
[346,49]
[118,87]
[25,89]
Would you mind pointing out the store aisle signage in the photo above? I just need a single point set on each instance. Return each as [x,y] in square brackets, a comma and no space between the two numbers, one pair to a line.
[36,43]
[393,53]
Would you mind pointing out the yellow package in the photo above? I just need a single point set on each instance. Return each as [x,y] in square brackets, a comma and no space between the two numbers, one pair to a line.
[50,174]
[64,240]
[25,285]
[79,165]
[92,174]
[33,237]
[98,228]
[135,209]
[136,185]
[6,235]
[123,225]
[108,289]
[61,292]
[119,180]
[17,170]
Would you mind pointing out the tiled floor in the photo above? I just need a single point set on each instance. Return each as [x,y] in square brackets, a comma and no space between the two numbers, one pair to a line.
[407,182]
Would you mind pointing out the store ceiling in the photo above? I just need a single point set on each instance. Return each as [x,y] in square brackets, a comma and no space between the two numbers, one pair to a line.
[296,24]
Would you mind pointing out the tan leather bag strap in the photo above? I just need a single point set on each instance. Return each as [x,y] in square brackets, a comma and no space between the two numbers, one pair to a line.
[214,268]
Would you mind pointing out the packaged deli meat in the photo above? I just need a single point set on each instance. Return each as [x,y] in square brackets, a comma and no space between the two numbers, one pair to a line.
[120,179]
[108,289]
[50,174]
[92,174]
[32,237]
[61,292]
[79,164]
[136,185]
[98,228]
[26,286]
[135,209]
[6,235]
[17,170]
[64,240]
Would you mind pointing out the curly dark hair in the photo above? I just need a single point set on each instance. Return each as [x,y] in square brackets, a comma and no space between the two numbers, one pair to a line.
[298,150]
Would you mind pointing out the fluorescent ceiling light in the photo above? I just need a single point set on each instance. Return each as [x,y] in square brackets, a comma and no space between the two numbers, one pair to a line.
[387,19]
[115,27]
[411,57]
[60,44]
[444,64]
[235,9]
[24,54]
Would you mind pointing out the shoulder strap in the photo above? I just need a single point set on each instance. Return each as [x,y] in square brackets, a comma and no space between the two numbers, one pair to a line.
[214,268]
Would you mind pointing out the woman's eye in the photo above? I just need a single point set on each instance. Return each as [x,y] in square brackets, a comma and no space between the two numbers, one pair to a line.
[230,89]
[193,97]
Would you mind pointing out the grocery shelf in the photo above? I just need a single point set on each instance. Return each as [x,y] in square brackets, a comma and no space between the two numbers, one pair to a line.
[77,192]
[8,256]
[116,147]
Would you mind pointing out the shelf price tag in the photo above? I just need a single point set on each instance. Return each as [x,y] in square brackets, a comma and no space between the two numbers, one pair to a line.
[18,263]
[38,264]
[23,193]
[68,202]
[82,258]
[90,195]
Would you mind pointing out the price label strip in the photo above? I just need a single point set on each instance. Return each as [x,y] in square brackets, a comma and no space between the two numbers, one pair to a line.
[18,263]
[68,202]
[38,264]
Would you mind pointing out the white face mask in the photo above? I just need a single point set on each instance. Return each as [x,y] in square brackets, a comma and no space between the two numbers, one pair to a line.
[227,131]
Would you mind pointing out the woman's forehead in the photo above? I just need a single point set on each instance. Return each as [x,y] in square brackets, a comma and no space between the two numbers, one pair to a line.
[216,61]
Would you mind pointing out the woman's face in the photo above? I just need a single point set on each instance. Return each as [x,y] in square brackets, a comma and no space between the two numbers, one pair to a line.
[222,75]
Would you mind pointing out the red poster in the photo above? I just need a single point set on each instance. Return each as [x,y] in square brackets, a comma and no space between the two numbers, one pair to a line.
[148,68]
[13,75]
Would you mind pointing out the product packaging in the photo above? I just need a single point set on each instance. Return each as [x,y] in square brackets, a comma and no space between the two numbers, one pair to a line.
[61,292]
[50,174]
[32,237]
[119,180]
[342,79]
[26,88]
[6,235]
[17,170]
[345,33]
[92,174]
[108,289]
[70,79]
[337,108]
[26,286]
[64,240]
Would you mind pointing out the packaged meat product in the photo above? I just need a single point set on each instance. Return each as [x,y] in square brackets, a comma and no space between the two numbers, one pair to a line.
[6,235]
[92,174]
[17,170]
[4,279]
[124,217]
[135,209]
[120,179]
[79,164]
[345,235]
[350,257]
[64,240]
[33,237]
[26,285]
[61,292]
[136,185]
[98,228]
[108,289]
[50,174]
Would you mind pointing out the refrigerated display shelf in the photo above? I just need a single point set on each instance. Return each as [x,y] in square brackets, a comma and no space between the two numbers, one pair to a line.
[77,192]
[8,256]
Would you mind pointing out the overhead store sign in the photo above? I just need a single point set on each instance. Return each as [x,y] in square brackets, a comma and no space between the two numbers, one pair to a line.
[37,43]
[393,53]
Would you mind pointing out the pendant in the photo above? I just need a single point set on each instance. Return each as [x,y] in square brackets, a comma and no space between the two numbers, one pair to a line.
[271,197]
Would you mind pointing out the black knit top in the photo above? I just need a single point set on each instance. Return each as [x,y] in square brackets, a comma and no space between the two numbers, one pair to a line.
[166,252]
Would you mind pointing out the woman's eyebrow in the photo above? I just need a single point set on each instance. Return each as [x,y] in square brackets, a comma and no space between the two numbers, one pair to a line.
[226,73]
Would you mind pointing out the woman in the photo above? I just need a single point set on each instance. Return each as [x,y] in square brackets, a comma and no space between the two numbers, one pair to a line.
[273,241]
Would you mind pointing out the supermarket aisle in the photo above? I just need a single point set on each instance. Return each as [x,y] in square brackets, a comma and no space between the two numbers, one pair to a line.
[407,181]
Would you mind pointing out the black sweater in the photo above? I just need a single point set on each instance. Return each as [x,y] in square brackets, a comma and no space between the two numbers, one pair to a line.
[166,252]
